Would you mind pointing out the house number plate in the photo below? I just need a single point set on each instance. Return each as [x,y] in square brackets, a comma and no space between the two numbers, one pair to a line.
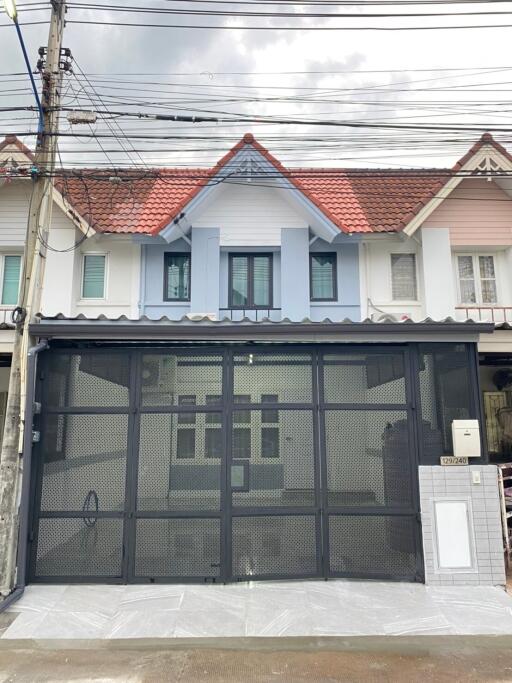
[453,460]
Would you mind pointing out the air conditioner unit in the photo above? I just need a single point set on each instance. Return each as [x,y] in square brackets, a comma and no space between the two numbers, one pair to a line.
[159,374]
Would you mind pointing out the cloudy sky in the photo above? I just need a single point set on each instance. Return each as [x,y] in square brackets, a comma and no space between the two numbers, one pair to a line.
[434,77]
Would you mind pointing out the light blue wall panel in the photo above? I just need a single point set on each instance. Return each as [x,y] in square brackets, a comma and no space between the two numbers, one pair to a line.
[295,273]
[152,282]
[349,297]
[209,291]
[205,271]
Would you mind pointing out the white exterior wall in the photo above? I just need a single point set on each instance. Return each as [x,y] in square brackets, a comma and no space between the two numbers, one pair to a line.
[249,216]
[440,295]
[377,298]
[121,276]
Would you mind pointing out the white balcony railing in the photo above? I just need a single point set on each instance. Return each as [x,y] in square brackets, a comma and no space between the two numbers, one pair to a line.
[5,315]
[487,314]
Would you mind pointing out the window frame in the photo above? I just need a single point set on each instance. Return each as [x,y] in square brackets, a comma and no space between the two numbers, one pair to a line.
[105,275]
[2,271]
[334,255]
[250,284]
[416,281]
[475,257]
[167,256]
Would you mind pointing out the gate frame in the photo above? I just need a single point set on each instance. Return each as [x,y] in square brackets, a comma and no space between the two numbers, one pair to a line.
[225,514]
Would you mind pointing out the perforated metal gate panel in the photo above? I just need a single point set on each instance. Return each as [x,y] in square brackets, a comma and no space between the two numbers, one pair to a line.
[225,464]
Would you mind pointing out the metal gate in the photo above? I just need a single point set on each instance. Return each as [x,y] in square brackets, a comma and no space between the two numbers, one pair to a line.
[226,463]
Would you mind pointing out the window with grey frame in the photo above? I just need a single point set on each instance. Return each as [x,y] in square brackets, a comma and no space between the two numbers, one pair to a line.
[323,276]
[177,276]
[250,281]
[404,283]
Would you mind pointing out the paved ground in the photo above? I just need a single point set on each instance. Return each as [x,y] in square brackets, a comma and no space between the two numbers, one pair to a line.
[450,659]
[262,609]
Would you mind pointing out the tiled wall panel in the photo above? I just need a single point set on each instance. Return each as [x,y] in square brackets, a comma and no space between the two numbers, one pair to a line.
[483,505]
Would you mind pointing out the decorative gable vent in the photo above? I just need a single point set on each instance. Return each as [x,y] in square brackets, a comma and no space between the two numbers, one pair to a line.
[487,165]
[249,165]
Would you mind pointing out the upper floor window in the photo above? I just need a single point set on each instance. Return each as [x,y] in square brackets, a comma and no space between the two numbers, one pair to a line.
[11,279]
[477,279]
[250,280]
[322,277]
[93,276]
[176,277]
[403,277]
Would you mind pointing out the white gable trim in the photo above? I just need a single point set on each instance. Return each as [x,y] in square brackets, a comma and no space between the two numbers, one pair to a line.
[249,162]
[73,215]
[484,162]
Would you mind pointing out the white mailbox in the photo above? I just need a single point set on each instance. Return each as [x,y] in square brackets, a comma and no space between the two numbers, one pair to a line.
[466,439]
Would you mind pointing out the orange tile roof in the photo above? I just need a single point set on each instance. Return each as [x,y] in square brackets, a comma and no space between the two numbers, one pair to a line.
[355,200]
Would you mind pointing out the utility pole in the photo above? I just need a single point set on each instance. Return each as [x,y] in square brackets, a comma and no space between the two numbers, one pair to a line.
[29,300]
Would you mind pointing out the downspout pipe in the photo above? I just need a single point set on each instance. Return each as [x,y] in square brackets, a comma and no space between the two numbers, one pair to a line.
[19,588]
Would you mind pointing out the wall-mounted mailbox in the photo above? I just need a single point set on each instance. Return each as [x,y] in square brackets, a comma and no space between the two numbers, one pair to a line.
[466,439]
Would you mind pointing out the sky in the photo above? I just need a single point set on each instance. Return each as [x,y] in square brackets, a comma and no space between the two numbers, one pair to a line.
[373,78]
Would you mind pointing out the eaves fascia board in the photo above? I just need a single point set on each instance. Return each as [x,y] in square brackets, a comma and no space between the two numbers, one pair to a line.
[134,331]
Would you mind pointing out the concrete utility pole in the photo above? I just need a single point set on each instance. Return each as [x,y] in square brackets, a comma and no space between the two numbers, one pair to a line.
[29,300]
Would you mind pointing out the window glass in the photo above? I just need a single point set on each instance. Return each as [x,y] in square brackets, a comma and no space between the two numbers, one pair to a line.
[242,416]
[239,281]
[487,279]
[241,443]
[270,442]
[403,277]
[269,415]
[213,400]
[261,281]
[186,444]
[323,277]
[213,442]
[93,277]
[11,280]
[186,418]
[466,280]
[177,277]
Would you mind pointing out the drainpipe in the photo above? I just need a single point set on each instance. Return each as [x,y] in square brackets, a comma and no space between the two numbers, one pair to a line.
[19,588]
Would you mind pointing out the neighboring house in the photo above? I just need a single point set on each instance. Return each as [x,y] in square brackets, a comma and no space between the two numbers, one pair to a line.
[249,373]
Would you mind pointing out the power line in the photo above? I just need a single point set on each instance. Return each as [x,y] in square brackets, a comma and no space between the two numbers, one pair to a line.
[236,27]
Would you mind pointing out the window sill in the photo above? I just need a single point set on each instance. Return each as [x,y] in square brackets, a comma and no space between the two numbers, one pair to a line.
[165,304]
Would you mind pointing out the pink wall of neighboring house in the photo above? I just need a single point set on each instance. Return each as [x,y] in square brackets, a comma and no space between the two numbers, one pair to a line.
[477,212]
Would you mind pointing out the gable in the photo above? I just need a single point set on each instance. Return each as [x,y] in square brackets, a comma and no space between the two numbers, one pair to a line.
[249,162]
[249,215]
[477,212]
[486,159]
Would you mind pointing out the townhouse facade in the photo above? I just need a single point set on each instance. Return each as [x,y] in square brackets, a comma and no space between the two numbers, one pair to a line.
[253,372]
